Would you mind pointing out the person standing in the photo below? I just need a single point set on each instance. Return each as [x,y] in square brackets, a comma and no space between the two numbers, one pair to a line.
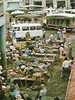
[66,68]
[8,36]
[14,37]
[59,34]
[13,34]
[61,52]
[70,51]
[63,33]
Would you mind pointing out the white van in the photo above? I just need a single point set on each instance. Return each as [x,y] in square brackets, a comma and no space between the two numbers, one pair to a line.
[32,29]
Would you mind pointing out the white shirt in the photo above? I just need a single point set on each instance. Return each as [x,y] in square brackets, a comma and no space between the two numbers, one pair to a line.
[66,64]
[12,47]
[43,92]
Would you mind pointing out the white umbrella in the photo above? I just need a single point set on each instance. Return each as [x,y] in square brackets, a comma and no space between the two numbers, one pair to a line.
[17,12]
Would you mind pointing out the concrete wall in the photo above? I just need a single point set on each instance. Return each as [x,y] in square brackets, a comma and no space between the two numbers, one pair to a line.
[1,14]
[2,21]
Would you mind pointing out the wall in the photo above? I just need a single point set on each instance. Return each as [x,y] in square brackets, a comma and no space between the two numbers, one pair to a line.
[2,20]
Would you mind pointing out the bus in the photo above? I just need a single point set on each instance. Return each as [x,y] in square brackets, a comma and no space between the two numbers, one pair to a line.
[22,30]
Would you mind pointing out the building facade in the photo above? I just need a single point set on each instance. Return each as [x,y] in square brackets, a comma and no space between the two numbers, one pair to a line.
[49,3]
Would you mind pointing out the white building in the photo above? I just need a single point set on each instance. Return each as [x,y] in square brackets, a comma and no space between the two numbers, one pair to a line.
[48,3]
[16,4]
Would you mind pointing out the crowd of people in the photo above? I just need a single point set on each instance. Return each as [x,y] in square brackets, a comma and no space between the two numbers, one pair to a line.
[15,56]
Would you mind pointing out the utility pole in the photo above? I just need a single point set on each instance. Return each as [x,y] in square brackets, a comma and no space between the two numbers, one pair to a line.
[2,48]
[2,41]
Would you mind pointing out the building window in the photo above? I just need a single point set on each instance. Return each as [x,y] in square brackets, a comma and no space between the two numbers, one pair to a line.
[25,28]
[17,28]
[39,27]
[60,4]
[12,5]
[49,3]
[72,3]
[26,2]
[37,3]
[32,28]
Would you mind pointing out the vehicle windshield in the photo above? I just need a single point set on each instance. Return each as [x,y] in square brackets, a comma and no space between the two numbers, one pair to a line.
[16,28]
[24,28]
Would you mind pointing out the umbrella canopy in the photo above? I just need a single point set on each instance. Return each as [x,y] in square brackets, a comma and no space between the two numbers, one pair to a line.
[17,12]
